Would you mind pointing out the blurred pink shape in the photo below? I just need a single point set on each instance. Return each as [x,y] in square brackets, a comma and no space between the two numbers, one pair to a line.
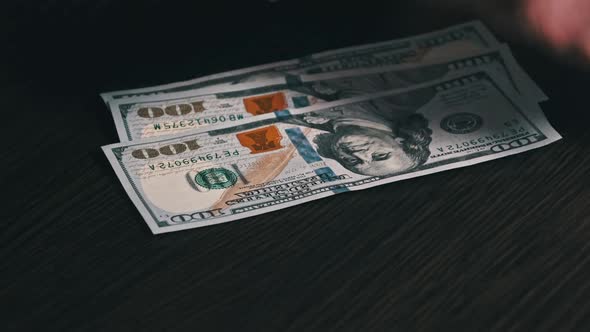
[564,24]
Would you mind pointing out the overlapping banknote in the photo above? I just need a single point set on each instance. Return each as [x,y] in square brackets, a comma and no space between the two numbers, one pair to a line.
[256,140]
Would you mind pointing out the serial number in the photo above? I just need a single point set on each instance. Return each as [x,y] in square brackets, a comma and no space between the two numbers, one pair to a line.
[198,122]
[190,161]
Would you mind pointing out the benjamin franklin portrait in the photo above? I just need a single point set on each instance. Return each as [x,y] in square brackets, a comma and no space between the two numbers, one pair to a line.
[381,137]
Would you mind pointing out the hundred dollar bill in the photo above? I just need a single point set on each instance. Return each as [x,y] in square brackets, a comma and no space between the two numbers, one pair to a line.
[447,43]
[287,158]
[172,113]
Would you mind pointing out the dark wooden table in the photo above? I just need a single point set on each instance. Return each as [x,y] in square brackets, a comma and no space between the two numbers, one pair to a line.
[501,246]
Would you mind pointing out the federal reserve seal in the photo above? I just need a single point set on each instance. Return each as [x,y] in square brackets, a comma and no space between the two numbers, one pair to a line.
[216,178]
[461,123]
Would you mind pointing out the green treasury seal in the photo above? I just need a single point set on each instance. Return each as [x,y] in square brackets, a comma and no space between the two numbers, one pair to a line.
[216,178]
[461,123]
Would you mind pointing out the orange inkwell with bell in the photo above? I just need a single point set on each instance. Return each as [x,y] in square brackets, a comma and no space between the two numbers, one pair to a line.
[261,140]
[266,104]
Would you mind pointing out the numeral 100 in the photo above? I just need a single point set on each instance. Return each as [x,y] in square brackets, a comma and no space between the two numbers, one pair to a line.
[173,110]
[168,150]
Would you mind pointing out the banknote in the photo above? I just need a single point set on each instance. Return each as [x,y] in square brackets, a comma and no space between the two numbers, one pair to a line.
[447,43]
[172,113]
[286,158]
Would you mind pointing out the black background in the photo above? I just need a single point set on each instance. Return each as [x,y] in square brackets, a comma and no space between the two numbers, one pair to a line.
[499,246]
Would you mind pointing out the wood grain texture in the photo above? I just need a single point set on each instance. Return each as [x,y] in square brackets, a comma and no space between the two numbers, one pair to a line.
[500,246]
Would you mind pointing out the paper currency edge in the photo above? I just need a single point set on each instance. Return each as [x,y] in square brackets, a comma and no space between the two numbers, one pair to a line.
[522,82]
[478,25]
